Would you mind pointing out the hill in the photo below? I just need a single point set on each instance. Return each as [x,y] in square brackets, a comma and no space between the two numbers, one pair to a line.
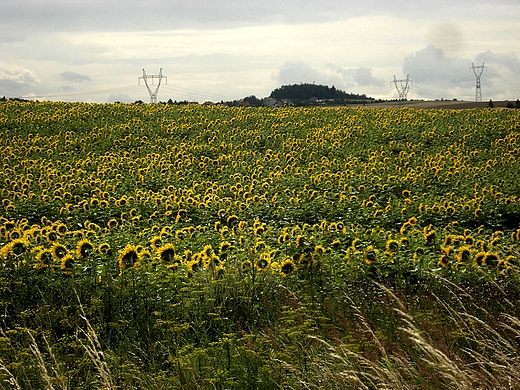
[308,91]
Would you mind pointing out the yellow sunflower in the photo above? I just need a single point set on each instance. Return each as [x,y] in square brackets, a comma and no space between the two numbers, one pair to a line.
[84,248]
[128,256]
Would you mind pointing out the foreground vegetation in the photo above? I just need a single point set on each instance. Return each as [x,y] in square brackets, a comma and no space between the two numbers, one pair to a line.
[159,247]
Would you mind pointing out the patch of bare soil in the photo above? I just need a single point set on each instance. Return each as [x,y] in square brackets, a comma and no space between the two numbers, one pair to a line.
[444,104]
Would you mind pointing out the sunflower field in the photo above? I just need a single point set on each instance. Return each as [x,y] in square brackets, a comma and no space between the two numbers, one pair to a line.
[152,246]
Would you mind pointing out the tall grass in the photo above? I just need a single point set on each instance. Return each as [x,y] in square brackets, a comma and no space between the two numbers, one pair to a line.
[446,339]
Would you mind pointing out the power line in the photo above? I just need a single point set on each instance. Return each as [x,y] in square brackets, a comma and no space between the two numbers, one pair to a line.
[145,77]
[403,87]
[478,72]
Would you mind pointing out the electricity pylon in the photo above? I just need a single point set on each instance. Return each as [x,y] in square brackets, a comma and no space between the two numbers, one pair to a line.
[402,86]
[478,72]
[145,77]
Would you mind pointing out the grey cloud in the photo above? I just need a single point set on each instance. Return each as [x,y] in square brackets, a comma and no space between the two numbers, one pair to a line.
[68,89]
[435,75]
[11,39]
[295,72]
[130,15]
[354,77]
[358,80]
[431,64]
[508,61]
[120,97]
[73,77]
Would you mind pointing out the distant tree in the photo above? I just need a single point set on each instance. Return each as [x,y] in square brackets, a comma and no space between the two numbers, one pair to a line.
[510,105]
[253,101]
[491,104]
[517,104]
[170,101]
[307,91]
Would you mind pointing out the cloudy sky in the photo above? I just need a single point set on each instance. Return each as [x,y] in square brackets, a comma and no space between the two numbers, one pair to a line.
[95,51]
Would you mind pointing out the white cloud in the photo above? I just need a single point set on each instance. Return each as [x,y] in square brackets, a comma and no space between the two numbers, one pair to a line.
[73,77]
[17,74]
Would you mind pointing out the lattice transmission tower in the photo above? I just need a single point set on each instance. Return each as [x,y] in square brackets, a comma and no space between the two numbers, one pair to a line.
[478,72]
[403,87]
[146,77]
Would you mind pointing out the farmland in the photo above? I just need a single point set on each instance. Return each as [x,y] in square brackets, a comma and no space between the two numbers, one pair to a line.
[156,246]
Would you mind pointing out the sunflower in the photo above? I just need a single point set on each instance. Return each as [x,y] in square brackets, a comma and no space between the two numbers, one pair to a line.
[412,221]
[491,259]
[15,247]
[391,247]
[181,214]
[187,255]
[166,253]
[51,236]
[211,261]
[59,251]
[479,258]
[259,246]
[463,254]
[128,256]
[224,246]
[443,261]
[67,264]
[207,251]
[112,223]
[231,219]
[287,267]
[258,230]
[180,235]
[195,264]
[370,255]
[103,248]
[14,234]
[356,245]
[61,229]
[123,201]
[84,248]
[44,259]
[156,242]
[263,262]
[429,236]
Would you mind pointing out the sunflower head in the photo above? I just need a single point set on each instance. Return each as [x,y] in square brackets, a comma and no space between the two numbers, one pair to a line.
[166,253]
[156,242]
[429,236]
[491,259]
[59,251]
[392,246]
[287,267]
[463,255]
[67,264]
[370,254]
[44,259]
[262,262]
[103,248]
[84,249]
[128,256]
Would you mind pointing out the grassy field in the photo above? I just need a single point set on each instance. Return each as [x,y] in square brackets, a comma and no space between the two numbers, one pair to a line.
[191,247]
